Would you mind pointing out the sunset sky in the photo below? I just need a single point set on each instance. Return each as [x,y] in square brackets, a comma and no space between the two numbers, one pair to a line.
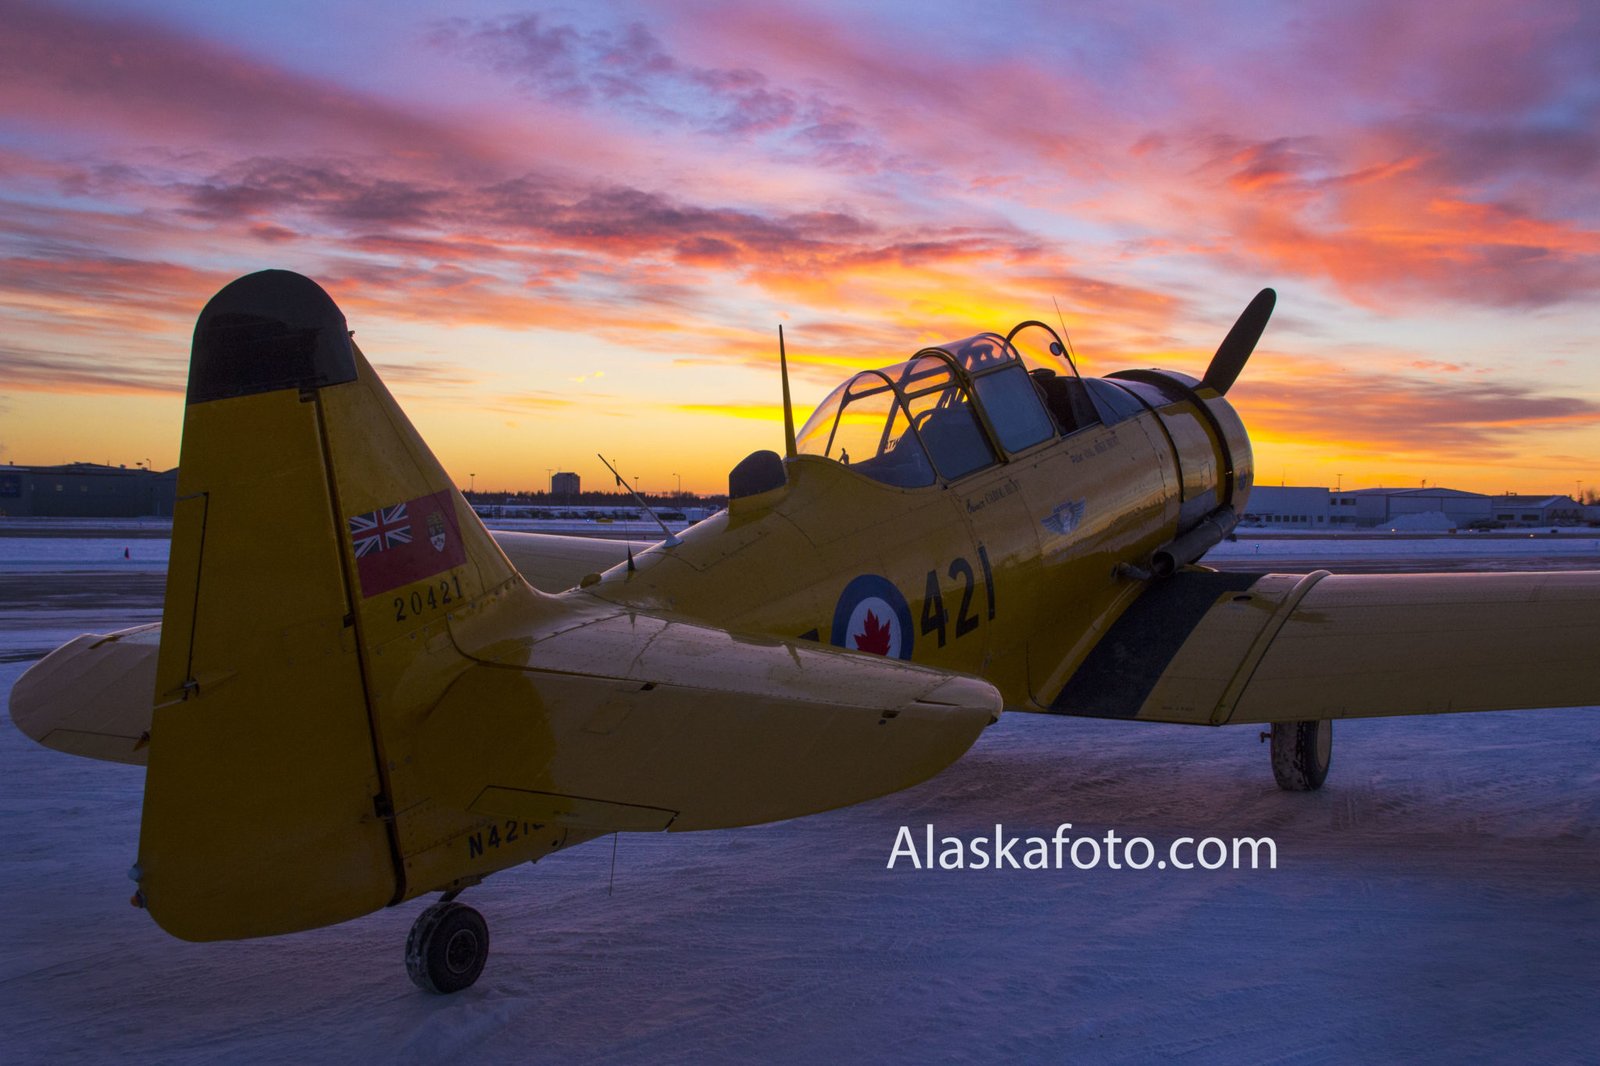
[566,229]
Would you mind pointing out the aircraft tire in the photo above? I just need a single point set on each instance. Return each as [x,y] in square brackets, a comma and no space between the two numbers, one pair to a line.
[447,947]
[1301,753]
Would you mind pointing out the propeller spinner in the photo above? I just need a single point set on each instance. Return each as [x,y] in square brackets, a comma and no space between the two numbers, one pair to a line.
[1241,340]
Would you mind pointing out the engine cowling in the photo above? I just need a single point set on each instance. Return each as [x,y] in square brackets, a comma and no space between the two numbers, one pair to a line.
[1213,465]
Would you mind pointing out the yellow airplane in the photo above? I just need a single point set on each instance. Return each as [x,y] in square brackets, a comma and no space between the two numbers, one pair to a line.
[358,696]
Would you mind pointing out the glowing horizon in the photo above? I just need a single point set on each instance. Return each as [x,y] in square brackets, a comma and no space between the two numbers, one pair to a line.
[569,232]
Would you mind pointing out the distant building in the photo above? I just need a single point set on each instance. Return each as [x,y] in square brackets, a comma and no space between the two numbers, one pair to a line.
[1380,508]
[86,490]
[1293,507]
[1538,511]
[565,484]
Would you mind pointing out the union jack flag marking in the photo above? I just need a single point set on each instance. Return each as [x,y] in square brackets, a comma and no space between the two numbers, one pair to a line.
[380,530]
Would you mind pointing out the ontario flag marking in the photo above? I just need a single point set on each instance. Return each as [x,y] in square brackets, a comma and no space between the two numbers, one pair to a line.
[390,551]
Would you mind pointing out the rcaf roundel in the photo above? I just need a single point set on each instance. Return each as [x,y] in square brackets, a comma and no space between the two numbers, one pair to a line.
[872,616]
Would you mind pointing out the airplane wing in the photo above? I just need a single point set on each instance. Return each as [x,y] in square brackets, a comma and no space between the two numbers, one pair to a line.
[1209,648]
[554,563]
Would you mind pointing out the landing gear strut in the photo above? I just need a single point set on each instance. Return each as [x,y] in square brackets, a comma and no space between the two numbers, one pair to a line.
[447,948]
[1301,752]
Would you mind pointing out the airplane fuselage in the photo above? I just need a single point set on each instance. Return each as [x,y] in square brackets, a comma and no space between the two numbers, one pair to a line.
[993,574]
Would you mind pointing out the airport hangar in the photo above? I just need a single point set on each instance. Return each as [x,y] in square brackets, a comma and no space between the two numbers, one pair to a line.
[1422,509]
[86,490]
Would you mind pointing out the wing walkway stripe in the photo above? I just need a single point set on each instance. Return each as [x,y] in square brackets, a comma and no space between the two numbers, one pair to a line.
[1119,674]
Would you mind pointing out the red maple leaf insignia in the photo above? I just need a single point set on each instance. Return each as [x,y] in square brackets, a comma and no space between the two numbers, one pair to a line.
[876,637]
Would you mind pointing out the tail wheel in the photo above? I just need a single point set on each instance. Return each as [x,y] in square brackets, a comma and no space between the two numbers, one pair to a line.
[1301,752]
[448,945]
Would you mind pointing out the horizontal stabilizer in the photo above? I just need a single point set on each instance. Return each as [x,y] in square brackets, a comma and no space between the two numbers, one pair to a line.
[92,696]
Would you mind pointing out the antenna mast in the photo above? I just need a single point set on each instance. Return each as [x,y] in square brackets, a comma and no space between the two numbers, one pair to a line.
[1072,357]
[671,540]
[790,451]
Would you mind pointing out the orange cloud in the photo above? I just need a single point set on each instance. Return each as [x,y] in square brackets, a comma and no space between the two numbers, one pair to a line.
[74,374]
[1378,412]
[761,412]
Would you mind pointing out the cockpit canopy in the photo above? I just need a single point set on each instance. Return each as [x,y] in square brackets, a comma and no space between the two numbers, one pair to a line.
[956,408]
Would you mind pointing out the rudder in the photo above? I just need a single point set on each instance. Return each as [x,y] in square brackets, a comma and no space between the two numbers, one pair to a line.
[317,549]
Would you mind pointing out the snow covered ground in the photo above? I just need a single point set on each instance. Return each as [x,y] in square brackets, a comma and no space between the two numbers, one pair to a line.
[1436,900]
[1568,550]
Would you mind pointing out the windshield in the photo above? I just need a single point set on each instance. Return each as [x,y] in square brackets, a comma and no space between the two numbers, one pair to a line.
[1011,400]
[943,415]
[863,425]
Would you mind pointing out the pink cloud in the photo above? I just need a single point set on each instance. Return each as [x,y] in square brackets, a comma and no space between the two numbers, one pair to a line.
[109,296]
[35,370]
[625,67]
[128,78]
[1378,217]
[1484,58]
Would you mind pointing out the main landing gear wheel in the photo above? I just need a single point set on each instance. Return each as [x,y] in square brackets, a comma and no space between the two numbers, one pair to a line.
[1301,752]
[447,948]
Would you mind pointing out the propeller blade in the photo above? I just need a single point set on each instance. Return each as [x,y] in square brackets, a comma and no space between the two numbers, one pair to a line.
[1240,342]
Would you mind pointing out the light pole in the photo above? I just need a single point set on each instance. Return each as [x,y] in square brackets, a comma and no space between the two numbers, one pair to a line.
[680,483]
[472,482]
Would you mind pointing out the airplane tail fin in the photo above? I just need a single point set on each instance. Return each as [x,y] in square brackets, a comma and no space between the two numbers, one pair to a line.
[315,536]
[358,699]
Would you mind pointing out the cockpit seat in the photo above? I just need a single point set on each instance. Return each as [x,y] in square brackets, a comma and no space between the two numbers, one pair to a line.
[955,441]
[904,466]
[1067,400]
